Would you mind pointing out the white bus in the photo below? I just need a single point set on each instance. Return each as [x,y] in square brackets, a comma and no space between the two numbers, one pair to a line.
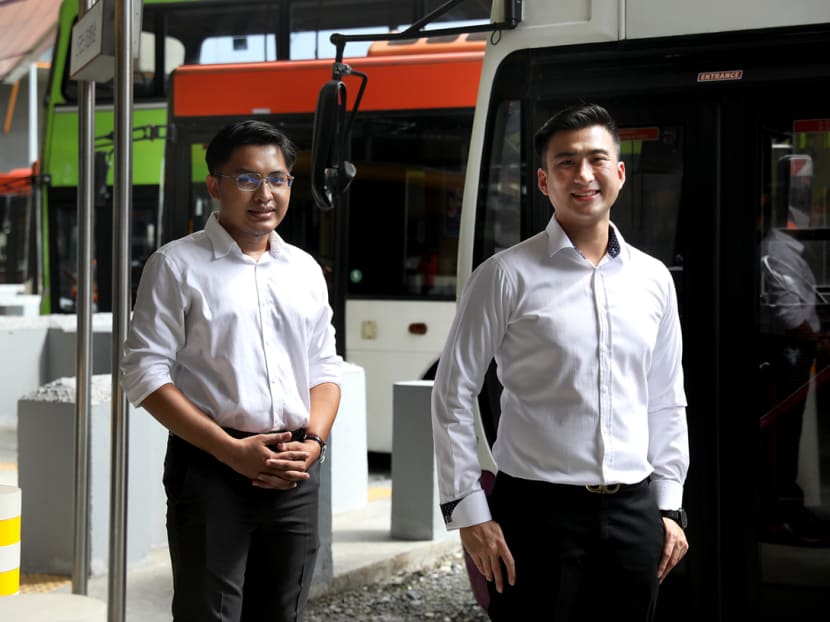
[725,127]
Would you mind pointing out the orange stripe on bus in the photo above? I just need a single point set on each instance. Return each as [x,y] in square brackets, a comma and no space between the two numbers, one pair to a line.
[429,81]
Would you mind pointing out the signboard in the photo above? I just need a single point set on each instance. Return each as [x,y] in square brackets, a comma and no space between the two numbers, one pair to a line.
[93,41]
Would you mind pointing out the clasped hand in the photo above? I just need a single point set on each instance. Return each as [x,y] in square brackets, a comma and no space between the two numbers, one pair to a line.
[272,460]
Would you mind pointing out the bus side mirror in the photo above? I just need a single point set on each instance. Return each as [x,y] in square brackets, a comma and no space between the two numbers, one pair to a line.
[330,174]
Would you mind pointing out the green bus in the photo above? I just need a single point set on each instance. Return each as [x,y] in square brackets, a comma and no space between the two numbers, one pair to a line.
[173,33]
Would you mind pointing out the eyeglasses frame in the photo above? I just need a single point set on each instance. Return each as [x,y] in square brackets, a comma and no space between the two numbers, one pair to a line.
[289,178]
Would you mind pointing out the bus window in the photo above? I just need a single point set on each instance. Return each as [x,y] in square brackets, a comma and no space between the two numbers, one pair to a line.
[648,207]
[405,204]
[794,312]
[146,69]
[500,221]
[15,226]
[313,44]
[238,49]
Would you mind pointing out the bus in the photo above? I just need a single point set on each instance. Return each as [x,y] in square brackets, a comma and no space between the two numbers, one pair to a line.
[409,144]
[725,131]
[174,32]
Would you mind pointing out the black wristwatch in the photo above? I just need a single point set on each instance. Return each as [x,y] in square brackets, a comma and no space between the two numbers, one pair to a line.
[320,442]
[678,516]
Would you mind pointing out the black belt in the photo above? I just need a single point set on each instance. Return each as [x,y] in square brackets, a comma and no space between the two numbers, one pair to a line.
[603,489]
[575,489]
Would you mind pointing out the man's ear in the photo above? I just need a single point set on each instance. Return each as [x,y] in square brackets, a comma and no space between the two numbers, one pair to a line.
[621,172]
[542,180]
[212,184]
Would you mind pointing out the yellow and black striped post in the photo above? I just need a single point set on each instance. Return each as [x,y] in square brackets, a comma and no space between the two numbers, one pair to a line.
[10,508]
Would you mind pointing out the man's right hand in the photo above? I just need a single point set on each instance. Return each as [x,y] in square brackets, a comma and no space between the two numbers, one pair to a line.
[253,457]
[488,549]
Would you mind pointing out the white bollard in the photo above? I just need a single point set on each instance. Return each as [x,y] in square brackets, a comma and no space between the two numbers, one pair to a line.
[10,507]
[416,514]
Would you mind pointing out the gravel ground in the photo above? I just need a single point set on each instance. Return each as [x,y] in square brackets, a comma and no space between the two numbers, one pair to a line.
[440,593]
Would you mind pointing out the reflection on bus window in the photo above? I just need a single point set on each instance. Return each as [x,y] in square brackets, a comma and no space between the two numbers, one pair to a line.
[794,404]
[406,205]
[648,206]
[501,224]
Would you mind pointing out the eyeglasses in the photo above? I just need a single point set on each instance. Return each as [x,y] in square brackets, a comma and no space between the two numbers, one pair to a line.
[252,181]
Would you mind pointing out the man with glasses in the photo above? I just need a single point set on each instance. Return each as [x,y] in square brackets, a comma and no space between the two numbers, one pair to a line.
[231,347]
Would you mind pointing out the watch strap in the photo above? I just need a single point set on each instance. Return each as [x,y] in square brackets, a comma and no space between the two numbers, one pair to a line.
[319,441]
[678,516]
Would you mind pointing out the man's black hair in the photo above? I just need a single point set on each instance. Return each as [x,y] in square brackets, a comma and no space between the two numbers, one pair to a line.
[249,132]
[575,117]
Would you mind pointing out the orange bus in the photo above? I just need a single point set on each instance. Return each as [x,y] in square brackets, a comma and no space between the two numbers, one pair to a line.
[409,143]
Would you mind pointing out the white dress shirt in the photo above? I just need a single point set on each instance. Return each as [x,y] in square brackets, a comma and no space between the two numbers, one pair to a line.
[245,340]
[590,361]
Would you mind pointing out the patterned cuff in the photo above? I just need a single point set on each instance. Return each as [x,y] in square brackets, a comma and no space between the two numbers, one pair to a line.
[470,510]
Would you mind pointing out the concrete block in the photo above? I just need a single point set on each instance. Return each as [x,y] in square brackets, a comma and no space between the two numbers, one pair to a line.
[52,608]
[344,476]
[20,305]
[62,350]
[416,514]
[11,289]
[44,348]
[46,477]
[347,447]
[25,370]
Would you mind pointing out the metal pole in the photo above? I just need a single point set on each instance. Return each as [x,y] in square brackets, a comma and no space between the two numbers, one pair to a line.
[121,303]
[83,362]
[33,125]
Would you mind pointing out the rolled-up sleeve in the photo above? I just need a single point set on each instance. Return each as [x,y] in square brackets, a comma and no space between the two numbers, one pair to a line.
[157,331]
[325,365]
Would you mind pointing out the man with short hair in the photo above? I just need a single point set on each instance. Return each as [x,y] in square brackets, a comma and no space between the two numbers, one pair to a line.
[231,347]
[592,441]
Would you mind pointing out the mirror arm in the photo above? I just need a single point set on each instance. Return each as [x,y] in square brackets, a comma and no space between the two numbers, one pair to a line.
[511,18]
[363,80]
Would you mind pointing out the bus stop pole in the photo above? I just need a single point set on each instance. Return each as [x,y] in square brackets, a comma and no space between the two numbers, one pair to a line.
[83,309]
[121,303]
[33,126]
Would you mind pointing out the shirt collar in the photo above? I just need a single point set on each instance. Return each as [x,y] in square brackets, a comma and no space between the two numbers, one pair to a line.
[223,243]
[558,239]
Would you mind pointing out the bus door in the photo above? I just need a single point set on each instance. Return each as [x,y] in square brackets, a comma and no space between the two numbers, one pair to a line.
[727,183]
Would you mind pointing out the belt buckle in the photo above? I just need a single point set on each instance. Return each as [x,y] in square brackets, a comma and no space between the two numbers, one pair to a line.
[603,489]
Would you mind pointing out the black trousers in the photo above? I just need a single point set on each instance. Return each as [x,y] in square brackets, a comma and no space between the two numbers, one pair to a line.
[580,556]
[238,553]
